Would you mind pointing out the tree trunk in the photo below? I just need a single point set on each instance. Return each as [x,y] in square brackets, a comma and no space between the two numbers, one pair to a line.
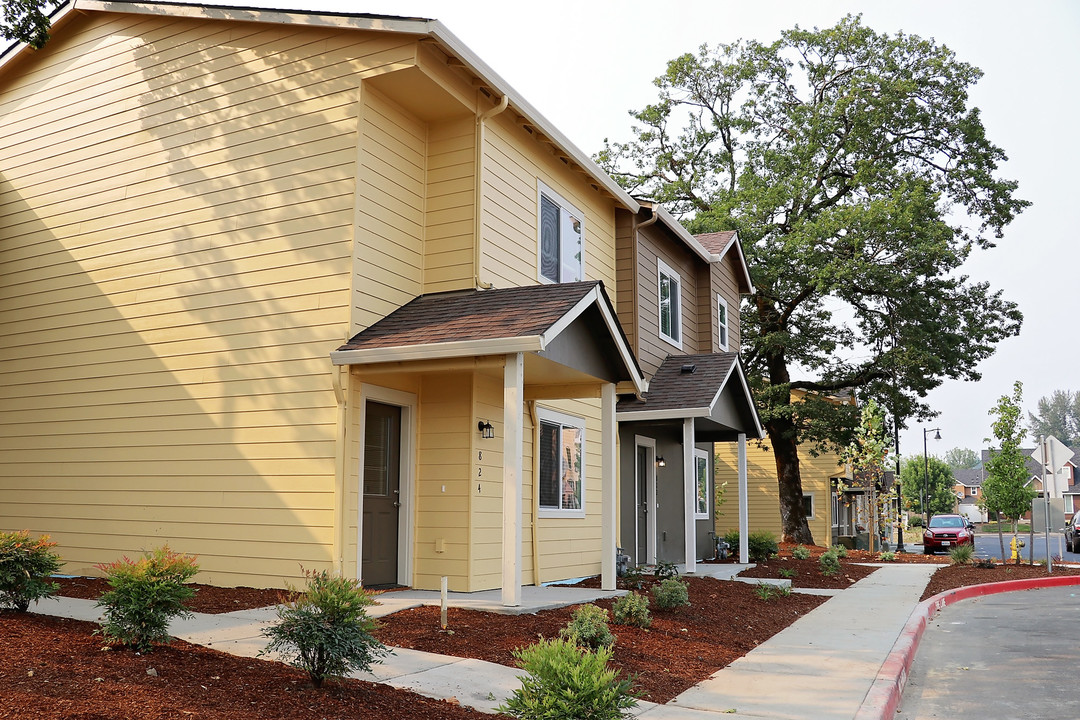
[786,452]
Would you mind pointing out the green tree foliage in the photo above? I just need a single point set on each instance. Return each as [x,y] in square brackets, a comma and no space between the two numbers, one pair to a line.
[1059,416]
[867,454]
[1005,489]
[859,180]
[962,459]
[25,21]
[913,473]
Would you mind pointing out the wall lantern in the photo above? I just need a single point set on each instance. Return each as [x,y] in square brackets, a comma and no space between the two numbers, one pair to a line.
[660,462]
[487,430]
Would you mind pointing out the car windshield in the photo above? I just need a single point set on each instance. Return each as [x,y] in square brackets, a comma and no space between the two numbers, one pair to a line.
[946,522]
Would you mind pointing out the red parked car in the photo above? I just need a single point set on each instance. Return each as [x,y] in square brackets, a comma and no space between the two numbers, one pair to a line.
[946,532]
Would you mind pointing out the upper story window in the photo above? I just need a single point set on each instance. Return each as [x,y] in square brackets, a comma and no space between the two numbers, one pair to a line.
[670,293]
[562,464]
[721,323]
[561,238]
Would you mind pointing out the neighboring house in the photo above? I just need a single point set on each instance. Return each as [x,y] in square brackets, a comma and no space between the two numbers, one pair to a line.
[968,490]
[1065,484]
[317,291]
[679,298]
[835,504]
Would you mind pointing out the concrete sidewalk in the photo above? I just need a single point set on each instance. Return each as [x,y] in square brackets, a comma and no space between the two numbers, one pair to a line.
[820,667]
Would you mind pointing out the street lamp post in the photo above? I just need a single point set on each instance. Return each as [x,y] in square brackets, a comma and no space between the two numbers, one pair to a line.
[926,473]
[896,483]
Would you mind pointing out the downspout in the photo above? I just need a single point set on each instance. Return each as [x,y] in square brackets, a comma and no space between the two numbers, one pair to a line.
[339,468]
[478,189]
[535,492]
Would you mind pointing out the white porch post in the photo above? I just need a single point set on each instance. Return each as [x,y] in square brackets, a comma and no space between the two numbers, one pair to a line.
[513,424]
[608,486]
[744,506]
[689,495]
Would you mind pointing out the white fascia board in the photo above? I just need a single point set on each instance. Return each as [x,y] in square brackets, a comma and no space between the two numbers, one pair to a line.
[481,69]
[594,297]
[736,369]
[438,351]
[671,414]
[683,234]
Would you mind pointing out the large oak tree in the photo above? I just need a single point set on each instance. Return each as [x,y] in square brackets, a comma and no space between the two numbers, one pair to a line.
[859,179]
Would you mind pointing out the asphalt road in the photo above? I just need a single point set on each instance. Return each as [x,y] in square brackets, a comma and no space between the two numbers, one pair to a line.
[987,546]
[998,657]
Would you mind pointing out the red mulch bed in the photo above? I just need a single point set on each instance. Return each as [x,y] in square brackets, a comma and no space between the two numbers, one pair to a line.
[725,620]
[208,599]
[57,669]
[951,577]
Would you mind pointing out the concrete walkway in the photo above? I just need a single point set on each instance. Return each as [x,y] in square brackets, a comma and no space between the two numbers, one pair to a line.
[820,667]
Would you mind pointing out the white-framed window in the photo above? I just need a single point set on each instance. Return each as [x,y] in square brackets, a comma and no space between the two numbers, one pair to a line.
[560,237]
[721,323]
[701,470]
[808,505]
[562,464]
[669,289]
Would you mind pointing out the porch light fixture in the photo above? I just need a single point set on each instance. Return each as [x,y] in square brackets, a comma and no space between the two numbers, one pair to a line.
[487,430]
[660,462]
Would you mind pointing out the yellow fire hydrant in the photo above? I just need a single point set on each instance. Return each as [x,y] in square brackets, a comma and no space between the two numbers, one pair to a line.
[1016,543]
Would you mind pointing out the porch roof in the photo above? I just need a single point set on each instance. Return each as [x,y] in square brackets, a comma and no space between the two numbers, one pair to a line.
[710,387]
[569,323]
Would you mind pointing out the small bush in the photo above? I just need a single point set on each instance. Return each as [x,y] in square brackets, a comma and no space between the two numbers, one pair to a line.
[634,577]
[839,550]
[632,609]
[961,554]
[761,545]
[666,570]
[565,681]
[588,627]
[764,591]
[146,594]
[985,563]
[671,593]
[326,630]
[783,591]
[887,556]
[801,552]
[731,537]
[829,563]
[788,572]
[25,566]
[915,521]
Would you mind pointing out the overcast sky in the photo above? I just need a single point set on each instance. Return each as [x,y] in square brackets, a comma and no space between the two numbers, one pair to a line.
[584,64]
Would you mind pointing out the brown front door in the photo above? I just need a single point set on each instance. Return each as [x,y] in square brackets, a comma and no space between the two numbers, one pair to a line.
[382,479]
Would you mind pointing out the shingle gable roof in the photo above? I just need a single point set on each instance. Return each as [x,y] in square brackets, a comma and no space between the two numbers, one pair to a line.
[473,315]
[671,388]
[716,242]
[969,477]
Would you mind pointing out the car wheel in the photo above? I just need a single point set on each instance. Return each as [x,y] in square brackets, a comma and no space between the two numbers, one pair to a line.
[1075,547]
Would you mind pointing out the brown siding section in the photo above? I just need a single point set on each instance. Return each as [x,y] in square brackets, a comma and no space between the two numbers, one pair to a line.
[724,283]
[626,281]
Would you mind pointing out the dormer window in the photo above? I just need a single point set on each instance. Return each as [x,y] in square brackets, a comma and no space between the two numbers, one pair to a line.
[561,238]
[670,288]
[721,323]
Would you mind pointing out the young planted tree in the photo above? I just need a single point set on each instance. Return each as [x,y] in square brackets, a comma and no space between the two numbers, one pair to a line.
[1005,489]
[867,455]
[859,180]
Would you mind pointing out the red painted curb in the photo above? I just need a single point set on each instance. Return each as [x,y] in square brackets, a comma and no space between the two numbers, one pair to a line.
[884,695]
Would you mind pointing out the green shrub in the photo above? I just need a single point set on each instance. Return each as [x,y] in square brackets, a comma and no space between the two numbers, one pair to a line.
[731,537]
[326,630]
[764,591]
[25,566]
[634,577]
[961,554]
[985,563]
[632,609]
[887,556]
[788,572]
[588,627]
[829,563]
[801,552]
[839,550]
[761,545]
[783,590]
[145,595]
[671,593]
[565,682]
[915,521]
[666,570]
